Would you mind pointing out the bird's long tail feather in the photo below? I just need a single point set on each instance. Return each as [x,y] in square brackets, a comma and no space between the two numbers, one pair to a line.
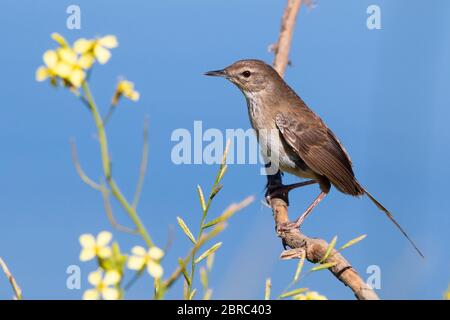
[389,215]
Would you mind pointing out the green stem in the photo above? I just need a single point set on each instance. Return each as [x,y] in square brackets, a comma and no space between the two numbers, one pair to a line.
[107,167]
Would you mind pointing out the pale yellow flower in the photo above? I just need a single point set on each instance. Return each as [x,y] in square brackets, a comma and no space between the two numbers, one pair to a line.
[103,285]
[125,88]
[59,39]
[61,63]
[149,259]
[92,247]
[95,49]
[310,295]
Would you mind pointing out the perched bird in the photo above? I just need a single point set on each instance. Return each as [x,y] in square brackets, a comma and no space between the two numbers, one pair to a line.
[307,148]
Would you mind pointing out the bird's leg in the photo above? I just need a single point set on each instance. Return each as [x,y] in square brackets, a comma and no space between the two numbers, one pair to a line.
[299,221]
[282,189]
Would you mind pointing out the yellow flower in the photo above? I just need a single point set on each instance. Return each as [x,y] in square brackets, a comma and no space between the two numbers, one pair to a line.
[150,259]
[95,49]
[310,295]
[59,39]
[92,247]
[103,285]
[125,88]
[61,63]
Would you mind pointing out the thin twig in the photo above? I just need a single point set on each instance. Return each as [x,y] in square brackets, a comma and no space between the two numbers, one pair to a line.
[12,280]
[99,187]
[283,45]
[314,249]
[79,169]
[109,213]
[143,166]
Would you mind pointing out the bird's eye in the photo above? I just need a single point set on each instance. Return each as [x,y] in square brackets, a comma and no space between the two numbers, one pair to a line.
[246,74]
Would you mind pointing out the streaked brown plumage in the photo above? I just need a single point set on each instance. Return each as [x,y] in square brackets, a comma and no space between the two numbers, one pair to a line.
[308,148]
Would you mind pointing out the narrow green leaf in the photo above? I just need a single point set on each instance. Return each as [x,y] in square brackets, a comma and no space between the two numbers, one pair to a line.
[353,242]
[323,266]
[204,278]
[329,249]
[293,293]
[212,222]
[211,250]
[225,153]
[222,172]
[183,270]
[216,190]
[186,230]
[202,198]
[299,267]
[208,294]
[191,296]
[267,290]
[210,262]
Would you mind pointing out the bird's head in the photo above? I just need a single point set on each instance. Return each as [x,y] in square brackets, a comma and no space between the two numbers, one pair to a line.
[250,76]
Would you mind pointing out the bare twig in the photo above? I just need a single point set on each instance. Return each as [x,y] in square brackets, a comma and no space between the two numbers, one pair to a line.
[79,169]
[12,280]
[109,213]
[283,44]
[143,166]
[314,249]
[99,187]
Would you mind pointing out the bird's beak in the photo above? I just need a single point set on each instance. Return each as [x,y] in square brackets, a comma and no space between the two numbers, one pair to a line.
[217,73]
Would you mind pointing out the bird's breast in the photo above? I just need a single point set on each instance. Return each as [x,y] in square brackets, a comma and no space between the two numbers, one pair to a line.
[262,119]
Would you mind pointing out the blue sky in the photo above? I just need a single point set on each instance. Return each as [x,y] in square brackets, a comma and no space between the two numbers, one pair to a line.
[385,93]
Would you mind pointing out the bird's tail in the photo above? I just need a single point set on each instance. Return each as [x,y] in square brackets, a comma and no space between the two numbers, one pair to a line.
[389,215]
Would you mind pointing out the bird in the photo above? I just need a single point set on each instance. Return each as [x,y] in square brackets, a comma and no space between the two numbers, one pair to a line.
[307,147]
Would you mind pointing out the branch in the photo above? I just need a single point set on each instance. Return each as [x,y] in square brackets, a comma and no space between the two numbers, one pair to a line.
[314,249]
[143,166]
[283,44]
[12,281]
[99,187]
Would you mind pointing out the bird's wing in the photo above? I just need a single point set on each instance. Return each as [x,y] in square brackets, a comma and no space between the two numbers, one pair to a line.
[319,148]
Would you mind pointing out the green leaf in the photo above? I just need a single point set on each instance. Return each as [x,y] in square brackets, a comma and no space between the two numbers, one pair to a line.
[208,252]
[186,230]
[323,266]
[225,153]
[293,293]
[299,267]
[212,222]
[204,277]
[183,270]
[208,294]
[329,249]
[209,262]
[267,290]
[202,198]
[216,190]
[191,296]
[353,242]
[222,172]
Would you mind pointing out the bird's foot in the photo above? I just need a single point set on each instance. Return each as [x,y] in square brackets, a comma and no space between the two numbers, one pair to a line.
[282,190]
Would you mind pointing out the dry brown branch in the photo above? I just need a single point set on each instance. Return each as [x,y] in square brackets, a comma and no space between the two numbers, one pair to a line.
[314,249]
[283,45]
[12,281]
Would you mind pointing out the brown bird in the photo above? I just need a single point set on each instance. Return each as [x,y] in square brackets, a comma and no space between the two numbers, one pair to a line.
[307,148]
